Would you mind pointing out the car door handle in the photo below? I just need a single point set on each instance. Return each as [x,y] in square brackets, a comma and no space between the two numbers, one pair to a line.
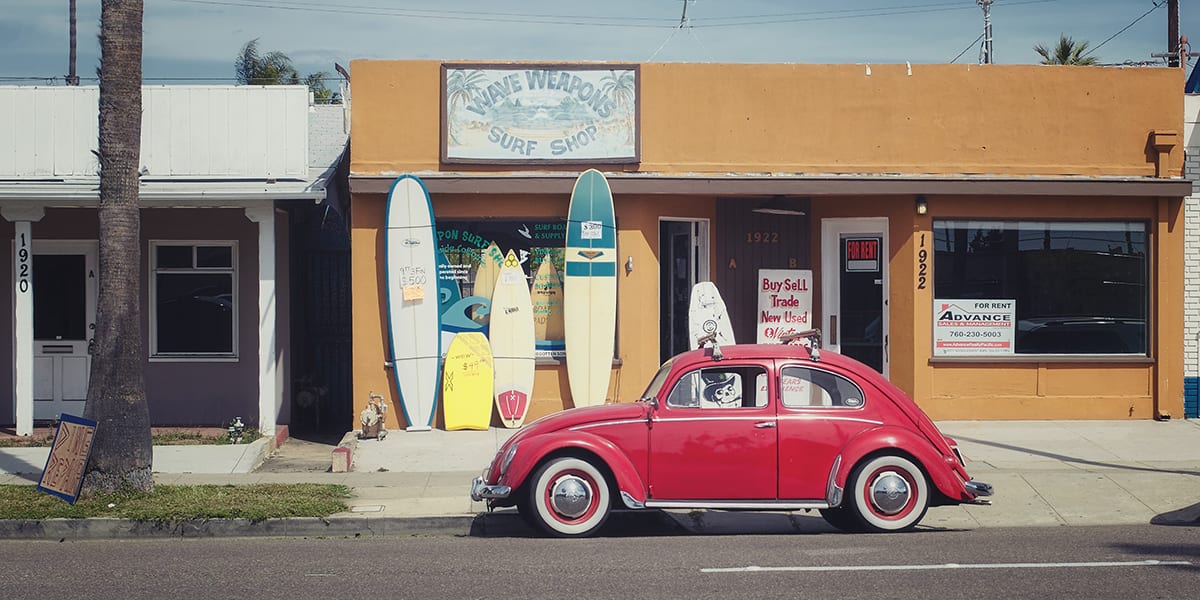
[764,425]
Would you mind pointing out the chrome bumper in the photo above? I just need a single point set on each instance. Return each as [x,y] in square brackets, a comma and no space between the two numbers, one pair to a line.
[481,490]
[978,488]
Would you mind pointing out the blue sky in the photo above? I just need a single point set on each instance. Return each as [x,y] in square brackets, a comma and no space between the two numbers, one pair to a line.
[197,40]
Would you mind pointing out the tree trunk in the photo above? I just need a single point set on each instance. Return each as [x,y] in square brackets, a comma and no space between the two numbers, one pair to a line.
[122,449]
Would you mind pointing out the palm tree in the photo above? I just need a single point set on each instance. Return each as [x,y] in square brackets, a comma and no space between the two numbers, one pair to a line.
[122,449]
[1067,52]
[275,68]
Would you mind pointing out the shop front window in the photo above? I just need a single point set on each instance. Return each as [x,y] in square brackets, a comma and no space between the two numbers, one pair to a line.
[1072,287]
[193,299]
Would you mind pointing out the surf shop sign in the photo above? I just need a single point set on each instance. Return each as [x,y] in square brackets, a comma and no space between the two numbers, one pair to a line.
[530,113]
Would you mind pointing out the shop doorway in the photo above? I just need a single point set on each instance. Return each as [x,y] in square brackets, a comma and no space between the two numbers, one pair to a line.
[854,289]
[64,322]
[683,261]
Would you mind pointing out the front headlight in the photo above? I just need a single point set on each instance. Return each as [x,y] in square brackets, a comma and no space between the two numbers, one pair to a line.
[508,457]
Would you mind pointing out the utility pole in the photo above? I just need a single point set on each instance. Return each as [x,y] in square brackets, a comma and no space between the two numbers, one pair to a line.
[1173,46]
[985,55]
[72,78]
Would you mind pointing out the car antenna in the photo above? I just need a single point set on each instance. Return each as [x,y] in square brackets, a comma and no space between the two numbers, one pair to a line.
[710,339]
[811,336]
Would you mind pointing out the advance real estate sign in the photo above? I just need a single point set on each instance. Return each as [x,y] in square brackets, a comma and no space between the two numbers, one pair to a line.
[540,113]
[973,327]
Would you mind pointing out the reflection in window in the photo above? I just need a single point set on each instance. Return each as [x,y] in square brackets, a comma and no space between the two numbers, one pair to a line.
[194,303]
[802,387]
[726,387]
[1080,287]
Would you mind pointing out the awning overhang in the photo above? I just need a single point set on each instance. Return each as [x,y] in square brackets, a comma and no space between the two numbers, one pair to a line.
[758,185]
[162,193]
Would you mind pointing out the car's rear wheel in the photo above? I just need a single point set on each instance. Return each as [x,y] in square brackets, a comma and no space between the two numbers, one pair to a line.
[569,497]
[887,493]
[842,519]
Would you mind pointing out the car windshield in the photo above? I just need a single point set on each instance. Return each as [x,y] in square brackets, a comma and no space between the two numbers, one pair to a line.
[659,379]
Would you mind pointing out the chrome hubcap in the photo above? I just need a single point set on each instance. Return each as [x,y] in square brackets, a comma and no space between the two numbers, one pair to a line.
[570,496]
[890,493]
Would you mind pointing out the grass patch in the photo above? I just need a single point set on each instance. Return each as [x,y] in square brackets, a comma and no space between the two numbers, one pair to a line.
[182,502]
[168,438]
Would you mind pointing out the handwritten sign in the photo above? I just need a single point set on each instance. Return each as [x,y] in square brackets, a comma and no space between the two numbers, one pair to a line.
[412,293]
[69,454]
[784,303]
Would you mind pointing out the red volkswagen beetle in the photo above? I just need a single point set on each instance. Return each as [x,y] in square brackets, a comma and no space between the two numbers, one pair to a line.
[742,427]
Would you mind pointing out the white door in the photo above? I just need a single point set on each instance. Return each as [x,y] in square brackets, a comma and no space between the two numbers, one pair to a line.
[854,289]
[64,322]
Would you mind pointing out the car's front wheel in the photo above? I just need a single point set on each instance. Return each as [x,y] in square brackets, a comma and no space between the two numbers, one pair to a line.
[569,497]
[887,493]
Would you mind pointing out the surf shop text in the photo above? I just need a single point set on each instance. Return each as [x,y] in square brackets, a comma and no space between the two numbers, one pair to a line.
[558,147]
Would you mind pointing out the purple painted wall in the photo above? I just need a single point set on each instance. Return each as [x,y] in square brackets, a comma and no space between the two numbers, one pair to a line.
[180,392]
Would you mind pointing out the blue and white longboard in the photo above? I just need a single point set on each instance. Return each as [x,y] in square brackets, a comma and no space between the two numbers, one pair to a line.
[590,289]
[410,250]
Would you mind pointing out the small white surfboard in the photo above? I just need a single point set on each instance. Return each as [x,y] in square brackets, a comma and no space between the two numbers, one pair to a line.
[707,314]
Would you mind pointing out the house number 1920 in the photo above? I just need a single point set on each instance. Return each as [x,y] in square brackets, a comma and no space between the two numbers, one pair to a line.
[23,265]
[922,265]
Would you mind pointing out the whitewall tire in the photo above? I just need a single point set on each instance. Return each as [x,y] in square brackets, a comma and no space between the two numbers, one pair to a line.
[888,493]
[569,497]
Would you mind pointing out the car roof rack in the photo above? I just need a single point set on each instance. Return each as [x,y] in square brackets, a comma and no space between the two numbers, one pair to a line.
[809,338]
[710,339]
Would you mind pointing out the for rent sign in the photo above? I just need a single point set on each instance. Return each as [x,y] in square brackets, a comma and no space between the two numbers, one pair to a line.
[784,303]
[973,327]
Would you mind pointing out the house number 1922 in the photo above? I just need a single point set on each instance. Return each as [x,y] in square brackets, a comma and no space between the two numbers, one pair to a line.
[23,265]
[922,265]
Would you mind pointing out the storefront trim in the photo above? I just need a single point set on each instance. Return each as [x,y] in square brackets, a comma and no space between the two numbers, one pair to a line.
[759,185]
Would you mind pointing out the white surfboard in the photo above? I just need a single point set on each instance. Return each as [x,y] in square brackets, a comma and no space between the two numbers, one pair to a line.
[707,314]
[410,250]
[511,336]
[590,289]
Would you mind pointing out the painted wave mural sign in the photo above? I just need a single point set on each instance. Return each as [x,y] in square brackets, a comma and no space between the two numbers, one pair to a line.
[540,113]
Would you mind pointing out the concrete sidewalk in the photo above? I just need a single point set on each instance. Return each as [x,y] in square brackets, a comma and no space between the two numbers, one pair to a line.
[1045,473]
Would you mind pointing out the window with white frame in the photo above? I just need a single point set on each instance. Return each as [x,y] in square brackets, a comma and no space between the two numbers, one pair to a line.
[193,299]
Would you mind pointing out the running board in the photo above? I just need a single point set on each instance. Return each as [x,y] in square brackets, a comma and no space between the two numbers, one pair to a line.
[738,505]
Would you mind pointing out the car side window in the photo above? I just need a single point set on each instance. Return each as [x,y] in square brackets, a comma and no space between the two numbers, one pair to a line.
[719,388]
[802,387]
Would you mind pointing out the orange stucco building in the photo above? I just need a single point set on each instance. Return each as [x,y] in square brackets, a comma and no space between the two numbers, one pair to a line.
[917,200]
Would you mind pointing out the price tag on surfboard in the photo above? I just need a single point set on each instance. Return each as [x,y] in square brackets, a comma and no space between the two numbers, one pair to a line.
[591,230]
[414,292]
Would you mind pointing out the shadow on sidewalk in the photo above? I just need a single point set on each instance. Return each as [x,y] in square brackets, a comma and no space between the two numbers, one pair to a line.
[1074,460]
[1188,516]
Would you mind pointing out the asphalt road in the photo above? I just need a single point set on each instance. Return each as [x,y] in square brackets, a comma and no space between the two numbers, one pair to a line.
[1060,562]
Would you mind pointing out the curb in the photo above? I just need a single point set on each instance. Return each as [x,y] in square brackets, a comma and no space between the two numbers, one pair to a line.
[107,529]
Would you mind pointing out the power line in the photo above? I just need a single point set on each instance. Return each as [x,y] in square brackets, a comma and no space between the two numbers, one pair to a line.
[964,50]
[1123,29]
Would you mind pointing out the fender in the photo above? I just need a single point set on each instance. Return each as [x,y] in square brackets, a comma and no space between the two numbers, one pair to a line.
[940,468]
[531,452]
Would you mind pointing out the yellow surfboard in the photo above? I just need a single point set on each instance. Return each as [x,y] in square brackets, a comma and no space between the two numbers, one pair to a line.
[486,274]
[467,382]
